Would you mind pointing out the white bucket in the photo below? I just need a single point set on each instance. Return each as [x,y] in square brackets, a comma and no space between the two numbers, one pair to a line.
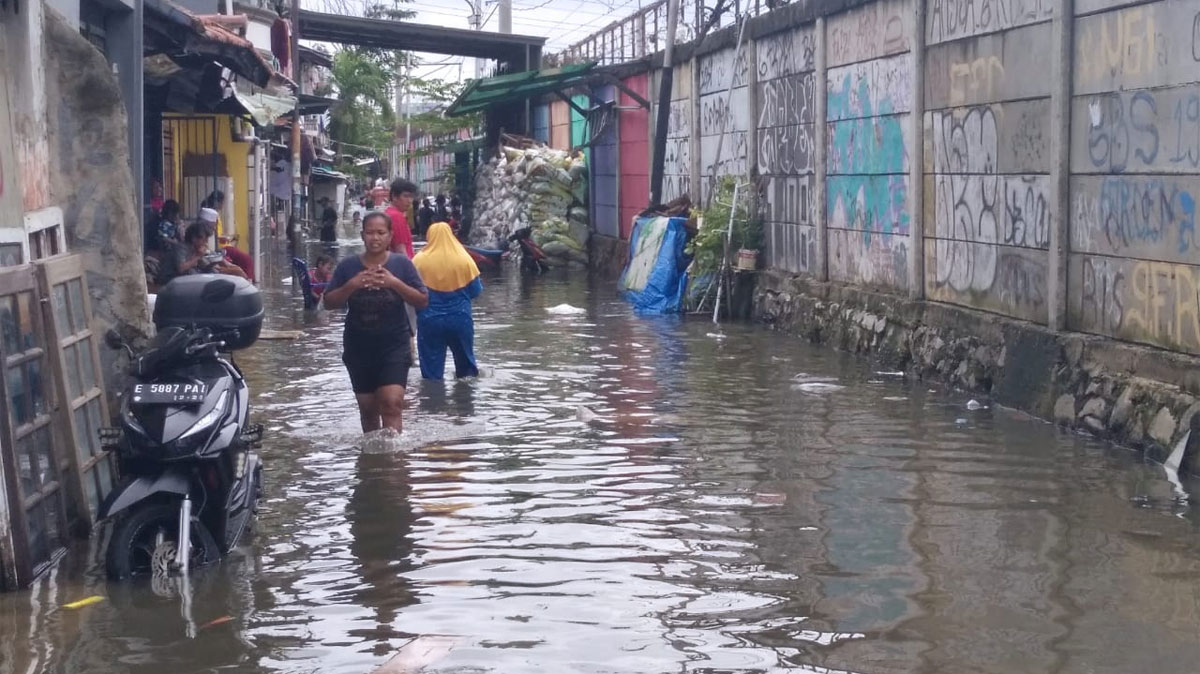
[747,260]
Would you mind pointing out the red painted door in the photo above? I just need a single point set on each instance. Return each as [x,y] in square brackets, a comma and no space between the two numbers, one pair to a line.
[634,153]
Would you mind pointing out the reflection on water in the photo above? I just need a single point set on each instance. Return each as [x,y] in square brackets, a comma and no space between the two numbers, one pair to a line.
[746,504]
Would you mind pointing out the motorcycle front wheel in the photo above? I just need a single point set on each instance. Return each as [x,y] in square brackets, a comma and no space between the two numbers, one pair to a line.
[144,540]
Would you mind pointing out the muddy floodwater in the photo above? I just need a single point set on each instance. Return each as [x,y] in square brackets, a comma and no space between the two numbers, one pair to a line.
[651,495]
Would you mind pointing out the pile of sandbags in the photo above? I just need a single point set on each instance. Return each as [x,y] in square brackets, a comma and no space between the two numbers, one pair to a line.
[538,187]
[563,241]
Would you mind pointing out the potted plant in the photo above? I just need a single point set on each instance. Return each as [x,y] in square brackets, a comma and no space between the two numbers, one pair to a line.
[708,248]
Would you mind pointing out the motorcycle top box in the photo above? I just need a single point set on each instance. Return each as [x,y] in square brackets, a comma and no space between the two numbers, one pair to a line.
[227,305]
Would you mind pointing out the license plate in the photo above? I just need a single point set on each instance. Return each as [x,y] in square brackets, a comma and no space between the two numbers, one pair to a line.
[169,394]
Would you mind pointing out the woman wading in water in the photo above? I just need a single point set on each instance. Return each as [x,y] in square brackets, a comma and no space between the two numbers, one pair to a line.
[375,286]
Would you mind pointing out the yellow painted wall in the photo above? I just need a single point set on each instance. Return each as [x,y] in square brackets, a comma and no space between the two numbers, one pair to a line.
[236,155]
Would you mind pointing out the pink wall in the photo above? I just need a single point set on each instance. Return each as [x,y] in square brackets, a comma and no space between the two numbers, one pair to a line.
[634,153]
[560,125]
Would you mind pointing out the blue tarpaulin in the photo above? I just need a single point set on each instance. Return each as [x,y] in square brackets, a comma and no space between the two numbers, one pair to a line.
[656,276]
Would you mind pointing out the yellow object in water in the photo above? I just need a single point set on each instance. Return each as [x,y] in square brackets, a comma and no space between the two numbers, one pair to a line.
[94,599]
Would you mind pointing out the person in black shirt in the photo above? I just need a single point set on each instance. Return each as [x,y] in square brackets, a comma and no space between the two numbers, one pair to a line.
[376,348]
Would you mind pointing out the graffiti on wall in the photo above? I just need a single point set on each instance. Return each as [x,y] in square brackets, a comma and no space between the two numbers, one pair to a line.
[791,247]
[1012,281]
[968,140]
[785,125]
[1146,217]
[868,203]
[1138,131]
[991,209]
[947,20]
[677,159]
[788,53]
[881,87]
[786,100]
[879,261]
[1152,45]
[716,69]
[989,68]
[869,32]
[724,117]
[1140,300]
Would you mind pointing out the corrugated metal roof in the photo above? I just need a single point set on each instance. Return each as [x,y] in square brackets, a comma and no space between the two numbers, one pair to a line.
[490,91]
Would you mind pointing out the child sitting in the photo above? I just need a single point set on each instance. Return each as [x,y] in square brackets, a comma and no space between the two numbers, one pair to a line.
[320,275]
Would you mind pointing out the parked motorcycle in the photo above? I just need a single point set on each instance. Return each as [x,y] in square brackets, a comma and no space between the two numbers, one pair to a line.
[533,259]
[185,445]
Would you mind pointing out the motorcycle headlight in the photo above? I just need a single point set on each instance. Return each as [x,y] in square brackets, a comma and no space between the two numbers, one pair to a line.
[208,420]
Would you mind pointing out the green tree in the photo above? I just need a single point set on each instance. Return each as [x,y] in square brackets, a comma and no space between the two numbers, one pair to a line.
[362,78]
[364,114]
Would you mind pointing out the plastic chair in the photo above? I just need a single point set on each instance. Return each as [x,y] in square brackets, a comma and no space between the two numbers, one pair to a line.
[300,271]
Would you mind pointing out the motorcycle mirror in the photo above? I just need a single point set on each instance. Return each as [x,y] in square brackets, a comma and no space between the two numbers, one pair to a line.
[112,339]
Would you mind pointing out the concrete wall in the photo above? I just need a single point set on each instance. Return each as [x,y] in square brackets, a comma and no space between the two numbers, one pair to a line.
[1005,156]
[988,196]
[1135,173]
[785,130]
[869,100]
[725,114]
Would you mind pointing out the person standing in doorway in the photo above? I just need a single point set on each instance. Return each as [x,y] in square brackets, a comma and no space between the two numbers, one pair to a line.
[402,194]
[452,278]
[377,286]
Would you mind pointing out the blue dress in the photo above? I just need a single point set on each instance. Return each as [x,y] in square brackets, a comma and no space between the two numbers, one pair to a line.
[446,323]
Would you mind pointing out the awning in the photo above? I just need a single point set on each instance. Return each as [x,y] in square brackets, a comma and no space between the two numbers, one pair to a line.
[491,91]
[320,172]
[193,43]
[263,108]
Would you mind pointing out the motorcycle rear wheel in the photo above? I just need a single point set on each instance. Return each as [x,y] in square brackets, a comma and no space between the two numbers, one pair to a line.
[131,548]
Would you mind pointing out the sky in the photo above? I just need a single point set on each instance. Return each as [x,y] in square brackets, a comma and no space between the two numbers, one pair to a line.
[561,22]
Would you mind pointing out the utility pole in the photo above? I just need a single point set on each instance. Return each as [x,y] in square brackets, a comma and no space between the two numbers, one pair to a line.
[506,16]
[296,186]
[477,24]
[407,123]
[663,118]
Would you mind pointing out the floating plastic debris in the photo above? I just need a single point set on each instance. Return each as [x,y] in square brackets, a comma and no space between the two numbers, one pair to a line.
[87,601]
[586,415]
[817,387]
[960,421]
[565,310]
[974,405]
[219,621]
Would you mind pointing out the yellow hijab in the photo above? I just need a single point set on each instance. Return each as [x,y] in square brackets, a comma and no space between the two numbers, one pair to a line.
[444,265]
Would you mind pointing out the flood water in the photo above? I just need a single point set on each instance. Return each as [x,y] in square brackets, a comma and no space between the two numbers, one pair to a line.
[640,495]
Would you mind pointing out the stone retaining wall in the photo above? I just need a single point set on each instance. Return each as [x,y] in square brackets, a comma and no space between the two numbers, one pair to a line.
[1142,397]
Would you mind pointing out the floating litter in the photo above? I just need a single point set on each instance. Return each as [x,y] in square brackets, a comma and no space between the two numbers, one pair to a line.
[219,621]
[976,405]
[88,601]
[565,310]
[770,499]
[890,374]
[960,421]
[586,415]
[715,335]
[817,387]
[804,378]
[895,399]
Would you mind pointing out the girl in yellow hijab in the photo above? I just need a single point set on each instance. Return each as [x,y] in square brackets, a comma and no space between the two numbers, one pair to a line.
[452,279]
